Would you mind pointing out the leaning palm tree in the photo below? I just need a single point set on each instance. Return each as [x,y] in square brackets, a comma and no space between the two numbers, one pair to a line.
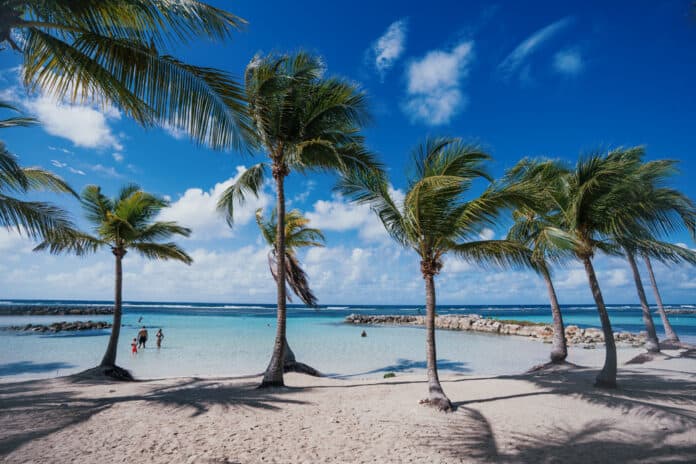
[534,227]
[435,219]
[588,201]
[297,235]
[304,122]
[32,218]
[123,223]
[117,52]
[650,209]
[664,210]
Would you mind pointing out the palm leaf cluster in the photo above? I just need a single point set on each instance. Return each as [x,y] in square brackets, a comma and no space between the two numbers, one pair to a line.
[35,219]
[118,52]
[297,235]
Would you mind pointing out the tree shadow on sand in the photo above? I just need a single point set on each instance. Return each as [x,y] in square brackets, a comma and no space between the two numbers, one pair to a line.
[30,367]
[28,413]
[467,434]
[407,365]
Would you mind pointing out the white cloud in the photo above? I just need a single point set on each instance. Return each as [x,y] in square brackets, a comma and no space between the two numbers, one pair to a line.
[487,234]
[12,242]
[118,157]
[76,171]
[197,209]
[434,84]
[58,164]
[84,126]
[390,46]
[64,150]
[339,214]
[568,62]
[62,165]
[107,171]
[514,61]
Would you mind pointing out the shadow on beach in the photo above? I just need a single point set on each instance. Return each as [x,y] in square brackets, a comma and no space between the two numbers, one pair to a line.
[29,412]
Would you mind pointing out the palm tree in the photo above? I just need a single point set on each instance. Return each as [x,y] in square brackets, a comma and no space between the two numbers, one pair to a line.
[534,227]
[670,334]
[116,52]
[123,223]
[297,235]
[435,219]
[304,122]
[32,218]
[588,201]
[651,209]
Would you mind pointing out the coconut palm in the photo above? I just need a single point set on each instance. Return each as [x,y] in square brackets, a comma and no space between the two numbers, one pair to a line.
[121,224]
[32,218]
[434,219]
[304,122]
[650,209]
[297,235]
[670,333]
[117,52]
[588,201]
[535,227]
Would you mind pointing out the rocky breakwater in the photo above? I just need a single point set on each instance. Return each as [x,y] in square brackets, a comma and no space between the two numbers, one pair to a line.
[62,326]
[53,310]
[575,335]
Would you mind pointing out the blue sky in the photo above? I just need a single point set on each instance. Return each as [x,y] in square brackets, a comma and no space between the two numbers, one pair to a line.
[548,79]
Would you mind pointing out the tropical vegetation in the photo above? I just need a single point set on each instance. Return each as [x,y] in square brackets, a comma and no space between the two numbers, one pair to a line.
[123,223]
[435,218]
[304,122]
[297,235]
[115,52]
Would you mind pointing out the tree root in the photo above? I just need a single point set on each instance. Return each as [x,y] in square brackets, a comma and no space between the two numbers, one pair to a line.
[441,403]
[106,373]
[301,368]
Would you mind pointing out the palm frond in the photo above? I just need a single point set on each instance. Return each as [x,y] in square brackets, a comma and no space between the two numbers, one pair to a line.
[162,251]
[250,182]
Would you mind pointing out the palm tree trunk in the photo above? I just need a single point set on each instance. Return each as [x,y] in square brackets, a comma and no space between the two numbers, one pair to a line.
[652,344]
[559,349]
[437,397]
[607,376]
[273,377]
[109,359]
[670,334]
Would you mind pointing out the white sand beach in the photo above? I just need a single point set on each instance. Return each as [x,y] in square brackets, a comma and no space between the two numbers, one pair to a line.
[541,418]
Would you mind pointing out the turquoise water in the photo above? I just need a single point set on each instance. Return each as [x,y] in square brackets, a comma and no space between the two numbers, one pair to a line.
[226,340]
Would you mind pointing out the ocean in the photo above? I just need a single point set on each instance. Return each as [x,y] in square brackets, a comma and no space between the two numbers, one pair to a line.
[211,339]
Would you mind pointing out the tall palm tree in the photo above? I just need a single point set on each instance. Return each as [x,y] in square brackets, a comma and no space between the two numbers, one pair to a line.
[650,209]
[123,223]
[297,235]
[304,122]
[535,227]
[670,333]
[588,200]
[435,219]
[32,218]
[117,52]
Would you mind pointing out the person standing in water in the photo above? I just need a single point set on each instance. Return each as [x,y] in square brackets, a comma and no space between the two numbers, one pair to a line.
[142,337]
[134,347]
[159,337]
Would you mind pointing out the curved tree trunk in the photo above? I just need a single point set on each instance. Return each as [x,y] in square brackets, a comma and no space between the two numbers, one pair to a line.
[607,376]
[273,377]
[290,364]
[670,334]
[559,349]
[652,344]
[436,396]
[109,359]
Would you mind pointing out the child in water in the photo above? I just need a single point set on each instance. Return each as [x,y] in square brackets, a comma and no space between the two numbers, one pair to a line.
[134,346]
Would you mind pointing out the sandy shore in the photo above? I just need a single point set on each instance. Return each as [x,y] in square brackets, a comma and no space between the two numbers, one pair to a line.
[542,418]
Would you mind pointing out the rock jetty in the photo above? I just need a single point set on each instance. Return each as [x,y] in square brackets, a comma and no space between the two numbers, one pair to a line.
[53,310]
[575,335]
[62,326]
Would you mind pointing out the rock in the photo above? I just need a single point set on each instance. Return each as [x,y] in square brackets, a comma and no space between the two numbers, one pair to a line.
[63,326]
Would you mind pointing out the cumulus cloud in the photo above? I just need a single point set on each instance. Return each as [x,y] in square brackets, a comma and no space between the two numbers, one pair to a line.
[434,92]
[197,209]
[516,59]
[568,62]
[106,171]
[487,234]
[84,126]
[390,46]
[339,214]
[118,157]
